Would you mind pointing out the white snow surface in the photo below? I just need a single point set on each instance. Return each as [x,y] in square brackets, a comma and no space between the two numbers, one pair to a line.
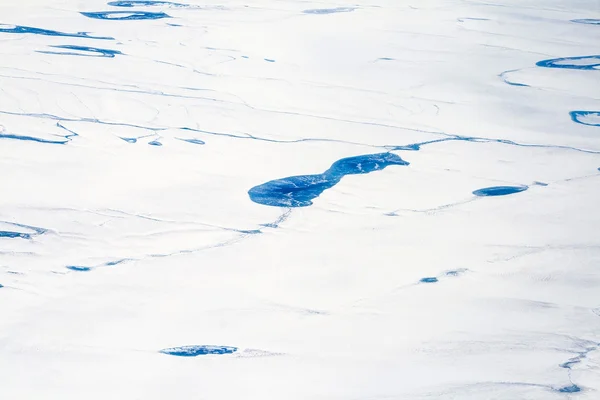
[326,301]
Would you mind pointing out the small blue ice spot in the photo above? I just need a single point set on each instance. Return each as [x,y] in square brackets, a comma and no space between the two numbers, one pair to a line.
[1,286]
[125,15]
[429,280]
[269,60]
[245,57]
[78,268]
[499,190]
[155,143]
[590,118]
[193,351]
[570,389]
[128,140]
[299,191]
[582,62]
[540,183]
[329,10]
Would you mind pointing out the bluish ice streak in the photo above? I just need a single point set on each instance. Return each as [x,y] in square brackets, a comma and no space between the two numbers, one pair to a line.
[78,268]
[299,191]
[81,268]
[13,235]
[144,3]
[125,15]
[570,389]
[505,79]
[47,32]
[155,143]
[193,351]
[128,140]
[193,141]
[590,21]
[578,116]
[499,190]
[321,11]
[31,138]
[471,19]
[96,52]
[429,280]
[417,146]
[554,63]
[269,60]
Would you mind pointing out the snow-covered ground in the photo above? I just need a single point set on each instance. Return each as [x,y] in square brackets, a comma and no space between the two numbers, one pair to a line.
[279,199]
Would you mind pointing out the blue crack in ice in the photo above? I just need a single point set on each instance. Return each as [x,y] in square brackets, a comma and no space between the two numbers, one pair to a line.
[95,51]
[193,351]
[299,191]
[507,81]
[499,190]
[591,118]
[125,15]
[144,3]
[321,11]
[78,268]
[4,28]
[583,62]
[589,21]
[193,141]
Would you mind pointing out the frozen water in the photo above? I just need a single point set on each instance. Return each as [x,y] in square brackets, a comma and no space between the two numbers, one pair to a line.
[310,182]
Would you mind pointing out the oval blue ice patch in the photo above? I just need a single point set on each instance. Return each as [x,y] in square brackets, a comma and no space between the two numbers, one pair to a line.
[499,190]
[82,51]
[429,280]
[583,62]
[125,15]
[299,191]
[193,351]
[589,21]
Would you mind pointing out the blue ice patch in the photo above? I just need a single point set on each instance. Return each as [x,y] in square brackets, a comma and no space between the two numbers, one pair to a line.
[499,190]
[193,351]
[91,51]
[4,28]
[583,62]
[125,15]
